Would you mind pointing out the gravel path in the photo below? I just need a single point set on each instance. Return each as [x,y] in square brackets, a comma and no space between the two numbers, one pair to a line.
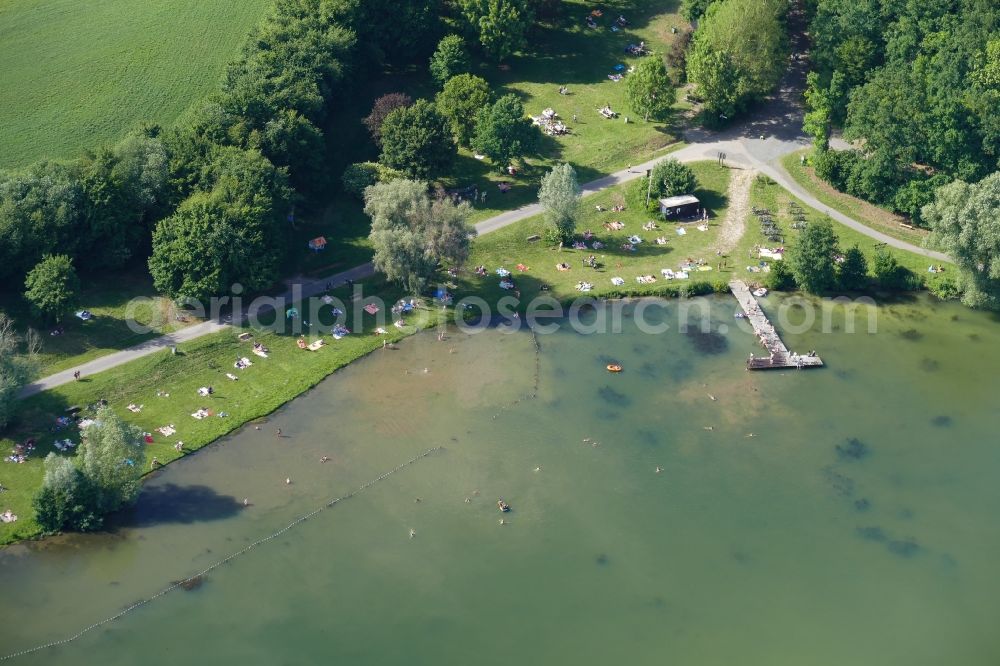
[734,225]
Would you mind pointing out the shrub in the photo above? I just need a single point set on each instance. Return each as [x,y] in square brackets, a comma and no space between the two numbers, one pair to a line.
[671,178]
[780,277]
[361,175]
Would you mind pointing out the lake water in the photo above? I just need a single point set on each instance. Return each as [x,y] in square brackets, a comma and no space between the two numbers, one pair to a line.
[858,525]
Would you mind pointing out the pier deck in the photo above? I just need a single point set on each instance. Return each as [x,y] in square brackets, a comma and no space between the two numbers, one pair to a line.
[778,355]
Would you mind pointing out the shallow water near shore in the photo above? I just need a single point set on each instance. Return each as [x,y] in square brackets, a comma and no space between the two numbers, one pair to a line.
[857,525]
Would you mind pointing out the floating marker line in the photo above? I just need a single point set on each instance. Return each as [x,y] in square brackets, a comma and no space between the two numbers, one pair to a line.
[228,559]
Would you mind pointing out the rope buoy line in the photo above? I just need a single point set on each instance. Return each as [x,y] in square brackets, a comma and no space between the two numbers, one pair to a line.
[228,559]
[534,390]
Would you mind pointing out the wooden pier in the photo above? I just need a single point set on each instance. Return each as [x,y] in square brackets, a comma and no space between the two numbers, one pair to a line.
[778,355]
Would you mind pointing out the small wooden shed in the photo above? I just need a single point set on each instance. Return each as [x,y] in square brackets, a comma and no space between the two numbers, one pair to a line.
[680,207]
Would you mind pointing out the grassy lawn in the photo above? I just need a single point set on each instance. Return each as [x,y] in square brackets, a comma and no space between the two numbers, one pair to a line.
[773,197]
[508,247]
[262,388]
[108,299]
[875,217]
[78,74]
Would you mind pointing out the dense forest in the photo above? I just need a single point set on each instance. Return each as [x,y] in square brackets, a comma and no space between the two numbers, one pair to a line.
[915,85]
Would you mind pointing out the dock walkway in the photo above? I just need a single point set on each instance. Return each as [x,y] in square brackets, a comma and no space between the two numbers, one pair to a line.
[778,355]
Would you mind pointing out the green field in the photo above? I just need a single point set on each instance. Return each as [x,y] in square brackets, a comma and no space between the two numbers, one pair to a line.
[74,75]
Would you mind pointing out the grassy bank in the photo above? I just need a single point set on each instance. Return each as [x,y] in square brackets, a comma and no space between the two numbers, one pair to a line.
[508,247]
[766,194]
[110,301]
[875,217]
[79,74]
[166,385]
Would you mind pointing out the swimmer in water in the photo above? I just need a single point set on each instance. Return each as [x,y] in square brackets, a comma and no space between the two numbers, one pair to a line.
[246,501]
[468,500]
[750,434]
[658,469]
[324,459]
[503,522]
[538,469]
[413,533]
[288,481]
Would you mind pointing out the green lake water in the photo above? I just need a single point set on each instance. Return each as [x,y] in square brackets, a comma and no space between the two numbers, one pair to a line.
[858,525]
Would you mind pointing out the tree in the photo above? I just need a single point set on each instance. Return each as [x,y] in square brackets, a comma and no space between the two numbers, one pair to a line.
[853,271]
[125,189]
[40,213]
[503,133]
[416,140]
[450,59]
[233,233]
[17,365]
[113,459]
[459,102]
[812,258]
[693,10]
[965,223]
[780,277]
[648,89]
[671,178]
[382,107]
[817,120]
[501,25]
[411,234]
[52,287]
[66,500]
[887,271]
[560,197]
[738,54]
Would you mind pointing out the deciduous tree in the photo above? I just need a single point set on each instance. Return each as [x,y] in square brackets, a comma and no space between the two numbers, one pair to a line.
[853,270]
[965,223]
[451,58]
[503,133]
[648,89]
[417,141]
[560,198]
[411,233]
[812,257]
[461,99]
[739,53]
[52,287]
[671,178]
[382,107]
